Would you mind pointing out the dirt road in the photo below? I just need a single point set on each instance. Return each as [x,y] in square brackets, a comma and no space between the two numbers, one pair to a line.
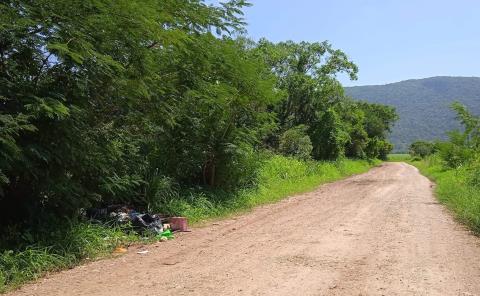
[380,233]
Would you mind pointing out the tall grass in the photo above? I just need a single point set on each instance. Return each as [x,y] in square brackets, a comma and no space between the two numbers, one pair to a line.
[68,245]
[278,178]
[65,247]
[455,190]
[397,157]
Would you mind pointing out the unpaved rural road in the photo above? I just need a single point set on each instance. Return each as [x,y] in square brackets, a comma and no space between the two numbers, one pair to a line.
[380,233]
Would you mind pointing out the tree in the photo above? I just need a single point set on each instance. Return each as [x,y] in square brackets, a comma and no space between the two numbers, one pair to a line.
[306,75]
[422,149]
[122,101]
[463,147]
[220,116]
[295,142]
[83,94]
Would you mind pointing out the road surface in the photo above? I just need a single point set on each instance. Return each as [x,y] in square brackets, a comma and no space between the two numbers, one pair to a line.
[379,233]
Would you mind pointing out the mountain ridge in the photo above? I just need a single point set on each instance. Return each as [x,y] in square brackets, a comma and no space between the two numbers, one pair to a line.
[422,104]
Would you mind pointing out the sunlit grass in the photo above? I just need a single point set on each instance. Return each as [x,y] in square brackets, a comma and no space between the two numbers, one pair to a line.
[399,157]
[70,245]
[454,190]
[278,178]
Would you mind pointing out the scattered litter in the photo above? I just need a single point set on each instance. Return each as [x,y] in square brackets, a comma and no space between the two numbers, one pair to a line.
[120,250]
[178,223]
[167,234]
[140,222]
[147,221]
[142,252]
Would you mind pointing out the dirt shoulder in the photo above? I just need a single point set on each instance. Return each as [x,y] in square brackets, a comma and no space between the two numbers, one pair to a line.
[379,233]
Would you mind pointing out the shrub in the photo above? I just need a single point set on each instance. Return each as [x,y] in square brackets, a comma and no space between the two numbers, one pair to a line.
[454,153]
[422,149]
[378,148]
[295,142]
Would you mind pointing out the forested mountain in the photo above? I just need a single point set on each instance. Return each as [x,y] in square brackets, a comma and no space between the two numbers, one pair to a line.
[423,105]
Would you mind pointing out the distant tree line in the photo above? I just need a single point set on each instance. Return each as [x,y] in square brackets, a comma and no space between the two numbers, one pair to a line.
[412,97]
[121,101]
[462,150]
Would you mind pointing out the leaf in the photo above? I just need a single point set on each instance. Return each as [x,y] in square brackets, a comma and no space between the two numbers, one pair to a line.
[62,50]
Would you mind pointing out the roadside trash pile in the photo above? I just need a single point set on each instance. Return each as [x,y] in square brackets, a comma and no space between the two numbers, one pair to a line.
[163,227]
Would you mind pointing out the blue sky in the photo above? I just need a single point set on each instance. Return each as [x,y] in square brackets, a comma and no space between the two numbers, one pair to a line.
[390,40]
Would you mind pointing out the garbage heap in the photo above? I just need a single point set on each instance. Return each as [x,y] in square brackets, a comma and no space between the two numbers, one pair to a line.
[140,222]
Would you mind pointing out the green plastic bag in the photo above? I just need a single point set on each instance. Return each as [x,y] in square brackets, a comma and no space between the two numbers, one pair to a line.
[167,233]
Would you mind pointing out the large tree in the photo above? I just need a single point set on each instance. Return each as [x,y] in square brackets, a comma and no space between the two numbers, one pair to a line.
[83,91]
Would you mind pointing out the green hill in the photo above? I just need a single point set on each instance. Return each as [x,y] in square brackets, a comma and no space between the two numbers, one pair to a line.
[423,105]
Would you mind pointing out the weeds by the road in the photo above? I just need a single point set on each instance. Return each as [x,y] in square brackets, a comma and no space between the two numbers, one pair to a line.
[64,246]
[455,189]
[398,157]
[279,177]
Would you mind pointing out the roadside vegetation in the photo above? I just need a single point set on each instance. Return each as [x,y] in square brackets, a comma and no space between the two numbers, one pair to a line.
[278,178]
[62,246]
[455,166]
[412,97]
[72,243]
[164,106]
[399,157]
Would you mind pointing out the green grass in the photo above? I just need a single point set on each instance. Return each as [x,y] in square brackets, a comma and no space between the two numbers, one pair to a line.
[278,178]
[72,244]
[66,247]
[454,190]
[398,157]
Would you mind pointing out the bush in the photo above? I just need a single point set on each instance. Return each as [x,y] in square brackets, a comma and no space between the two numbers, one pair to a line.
[422,149]
[378,148]
[295,142]
[463,147]
[455,155]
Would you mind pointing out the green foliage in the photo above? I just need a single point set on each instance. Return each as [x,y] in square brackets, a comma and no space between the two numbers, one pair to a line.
[220,117]
[398,157]
[313,97]
[295,142]
[90,88]
[306,73]
[422,149]
[422,105]
[329,136]
[64,245]
[471,124]
[379,119]
[454,153]
[456,169]
[463,147]
[155,104]
[59,247]
[455,189]
[377,148]
[118,101]
[277,178]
